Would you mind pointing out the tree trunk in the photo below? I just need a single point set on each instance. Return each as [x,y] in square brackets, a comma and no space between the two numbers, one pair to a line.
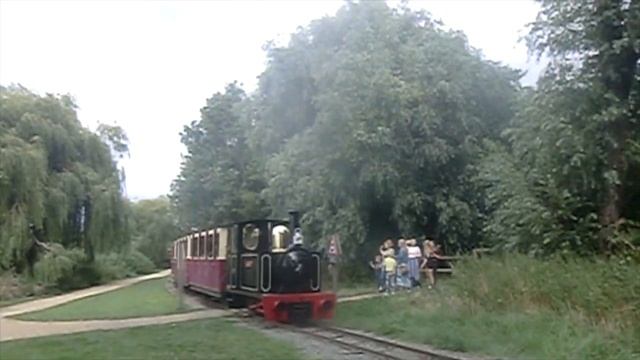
[87,244]
[613,201]
[180,275]
[617,68]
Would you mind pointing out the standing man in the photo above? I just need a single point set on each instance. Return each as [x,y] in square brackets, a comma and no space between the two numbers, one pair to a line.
[334,251]
[181,271]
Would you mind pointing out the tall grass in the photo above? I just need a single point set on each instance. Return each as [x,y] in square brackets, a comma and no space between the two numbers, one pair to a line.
[428,318]
[604,293]
[517,307]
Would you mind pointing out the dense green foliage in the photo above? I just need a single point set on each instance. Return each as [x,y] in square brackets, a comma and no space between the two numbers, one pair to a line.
[153,228]
[567,179]
[378,122]
[374,122]
[368,122]
[171,341]
[56,175]
[63,219]
[220,181]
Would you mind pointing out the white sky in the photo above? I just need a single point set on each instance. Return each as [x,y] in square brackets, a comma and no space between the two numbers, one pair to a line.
[148,66]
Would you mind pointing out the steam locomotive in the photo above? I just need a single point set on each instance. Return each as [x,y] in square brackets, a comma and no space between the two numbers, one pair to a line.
[257,264]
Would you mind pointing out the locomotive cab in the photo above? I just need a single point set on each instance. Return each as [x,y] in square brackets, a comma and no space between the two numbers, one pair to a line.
[280,278]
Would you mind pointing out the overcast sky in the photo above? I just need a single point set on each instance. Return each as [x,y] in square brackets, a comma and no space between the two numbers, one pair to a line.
[148,66]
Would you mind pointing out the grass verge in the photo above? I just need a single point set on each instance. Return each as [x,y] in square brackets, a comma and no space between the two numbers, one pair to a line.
[147,298]
[201,339]
[422,318]
[517,307]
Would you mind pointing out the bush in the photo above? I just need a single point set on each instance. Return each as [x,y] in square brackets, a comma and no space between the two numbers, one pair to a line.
[111,266]
[68,269]
[59,267]
[139,263]
[13,286]
[115,266]
[604,292]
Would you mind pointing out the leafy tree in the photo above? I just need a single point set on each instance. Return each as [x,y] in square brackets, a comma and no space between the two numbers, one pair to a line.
[219,180]
[154,227]
[116,138]
[369,122]
[572,141]
[377,122]
[398,110]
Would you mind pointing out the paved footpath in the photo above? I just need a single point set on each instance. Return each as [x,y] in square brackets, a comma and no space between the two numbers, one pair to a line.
[12,329]
[359,297]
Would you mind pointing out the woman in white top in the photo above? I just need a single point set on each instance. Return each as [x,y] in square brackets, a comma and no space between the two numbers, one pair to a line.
[414,262]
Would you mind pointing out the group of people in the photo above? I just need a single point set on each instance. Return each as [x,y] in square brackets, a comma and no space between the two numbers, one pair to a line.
[399,267]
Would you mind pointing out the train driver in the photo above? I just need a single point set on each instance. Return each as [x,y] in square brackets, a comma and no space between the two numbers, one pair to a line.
[298,239]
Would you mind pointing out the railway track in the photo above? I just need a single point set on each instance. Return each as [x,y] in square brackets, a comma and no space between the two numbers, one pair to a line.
[354,342]
[370,345]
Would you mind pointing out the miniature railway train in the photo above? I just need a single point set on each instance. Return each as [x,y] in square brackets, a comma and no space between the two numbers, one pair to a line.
[254,264]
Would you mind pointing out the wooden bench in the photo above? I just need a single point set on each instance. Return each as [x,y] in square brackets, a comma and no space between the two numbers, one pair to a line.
[446,260]
[449,260]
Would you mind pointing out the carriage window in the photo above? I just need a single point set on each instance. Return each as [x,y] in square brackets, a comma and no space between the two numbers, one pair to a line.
[207,245]
[250,236]
[280,237]
[210,245]
[203,241]
[216,244]
[193,244]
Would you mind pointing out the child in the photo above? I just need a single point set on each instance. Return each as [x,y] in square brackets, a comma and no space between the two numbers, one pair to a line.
[378,266]
[390,270]
[386,246]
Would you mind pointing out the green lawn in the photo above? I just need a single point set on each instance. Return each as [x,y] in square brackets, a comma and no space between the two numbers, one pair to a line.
[147,298]
[428,317]
[202,339]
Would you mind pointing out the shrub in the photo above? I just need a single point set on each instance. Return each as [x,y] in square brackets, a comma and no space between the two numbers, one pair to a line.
[139,263]
[13,286]
[58,267]
[68,269]
[114,266]
[111,266]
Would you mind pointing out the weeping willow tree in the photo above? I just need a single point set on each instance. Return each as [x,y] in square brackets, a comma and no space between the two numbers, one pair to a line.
[58,182]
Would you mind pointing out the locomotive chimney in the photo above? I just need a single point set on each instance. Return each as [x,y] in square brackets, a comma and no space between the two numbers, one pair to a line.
[294,220]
